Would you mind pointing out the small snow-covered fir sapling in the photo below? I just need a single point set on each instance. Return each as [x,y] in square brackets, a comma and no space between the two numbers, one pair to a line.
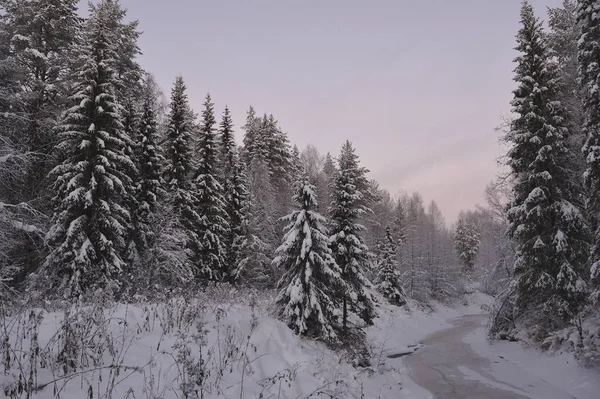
[389,282]
[307,300]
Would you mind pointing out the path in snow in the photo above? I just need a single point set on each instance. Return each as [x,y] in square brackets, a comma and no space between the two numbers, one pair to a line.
[449,368]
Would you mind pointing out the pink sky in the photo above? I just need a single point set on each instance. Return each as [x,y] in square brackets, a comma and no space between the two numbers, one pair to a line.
[419,87]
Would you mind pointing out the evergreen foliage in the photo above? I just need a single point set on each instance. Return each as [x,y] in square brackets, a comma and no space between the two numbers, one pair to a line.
[350,252]
[544,219]
[178,177]
[311,281]
[179,145]
[208,250]
[389,282]
[235,193]
[39,40]
[562,40]
[589,75]
[297,168]
[149,185]
[466,242]
[87,236]
[252,141]
[260,235]
[227,149]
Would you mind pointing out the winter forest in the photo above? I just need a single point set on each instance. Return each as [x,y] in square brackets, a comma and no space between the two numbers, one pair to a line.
[152,250]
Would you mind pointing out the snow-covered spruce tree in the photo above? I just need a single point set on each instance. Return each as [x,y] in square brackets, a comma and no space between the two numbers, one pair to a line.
[413,252]
[562,39]
[260,227]
[243,244]
[148,184]
[312,162]
[130,118]
[265,139]
[178,181]
[308,300]
[274,145]
[297,167]
[549,229]
[37,38]
[251,137]
[376,221]
[178,167]
[389,282]
[130,74]
[589,75]
[208,250]
[399,225]
[329,166]
[91,182]
[43,35]
[466,242]
[227,149]
[14,164]
[234,191]
[128,89]
[326,178]
[349,250]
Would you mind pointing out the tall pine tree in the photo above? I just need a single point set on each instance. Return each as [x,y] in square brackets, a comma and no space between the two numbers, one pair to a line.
[548,227]
[90,221]
[351,254]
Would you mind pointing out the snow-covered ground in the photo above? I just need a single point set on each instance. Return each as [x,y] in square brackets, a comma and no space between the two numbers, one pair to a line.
[153,351]
[511,361]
